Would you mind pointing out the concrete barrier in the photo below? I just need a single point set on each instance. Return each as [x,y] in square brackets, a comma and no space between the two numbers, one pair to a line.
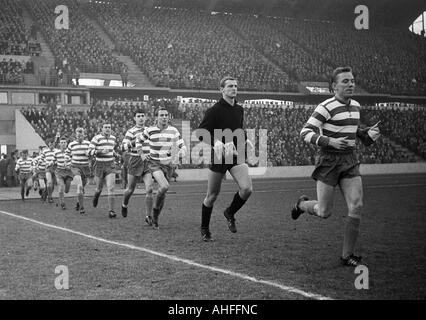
[305,171]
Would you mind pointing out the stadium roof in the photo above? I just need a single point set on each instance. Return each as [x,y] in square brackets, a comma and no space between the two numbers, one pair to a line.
[393,13]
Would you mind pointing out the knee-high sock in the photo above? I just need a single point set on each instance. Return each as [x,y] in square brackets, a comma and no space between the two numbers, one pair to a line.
[80,197]
[159,202]
[111,202]
[149,201]
[310,207]
[236,204]
[127,194]
[206,213]
[49,192]
[351,235]
[61,196]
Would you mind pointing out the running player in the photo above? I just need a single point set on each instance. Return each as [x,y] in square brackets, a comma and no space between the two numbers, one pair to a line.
[334,127]
[102,148]
[163,139]
[225,116]
[63,173]
[40,173]
[137,167]
[78,151]
[23,168]
[48,158]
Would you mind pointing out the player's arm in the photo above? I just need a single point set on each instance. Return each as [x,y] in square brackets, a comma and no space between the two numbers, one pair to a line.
[92,147]
[141,139]
[180,143]
[310,132]
[368,135]
[17,166]
[207,126]
[127,143]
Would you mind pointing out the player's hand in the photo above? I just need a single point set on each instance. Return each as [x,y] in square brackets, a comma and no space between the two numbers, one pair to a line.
[218,148]
[340,143]
[250,145]
[230,149]
[182,152]
[374,132]
[143,156]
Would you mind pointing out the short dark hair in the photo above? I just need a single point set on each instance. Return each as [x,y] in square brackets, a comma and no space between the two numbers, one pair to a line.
[338,71]
[224,79]
[138,111]
[160,109]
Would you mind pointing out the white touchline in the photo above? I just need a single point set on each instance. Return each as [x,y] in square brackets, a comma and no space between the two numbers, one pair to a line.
[174,258]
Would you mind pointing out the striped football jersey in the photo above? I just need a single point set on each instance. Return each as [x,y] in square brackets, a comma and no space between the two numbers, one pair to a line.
[161,142]
[333,119]
[79,152]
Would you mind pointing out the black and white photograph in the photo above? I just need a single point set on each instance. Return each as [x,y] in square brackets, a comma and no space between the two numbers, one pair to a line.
[212,158]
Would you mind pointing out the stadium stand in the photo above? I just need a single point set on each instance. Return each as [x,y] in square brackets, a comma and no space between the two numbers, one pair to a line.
[187,49]
[80,46]
[15,39]
[283,124]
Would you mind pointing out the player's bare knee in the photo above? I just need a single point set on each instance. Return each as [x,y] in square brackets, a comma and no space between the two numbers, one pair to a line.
[246,192]
[110,190]
[163,189]
[149,190]
[355,208]
[211,198]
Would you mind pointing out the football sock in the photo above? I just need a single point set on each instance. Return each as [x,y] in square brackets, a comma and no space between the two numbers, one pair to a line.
[351,235]
[127,195]
[80,199]
[236,204]
[149,201]
[310,207]
[206,213]
[111,202]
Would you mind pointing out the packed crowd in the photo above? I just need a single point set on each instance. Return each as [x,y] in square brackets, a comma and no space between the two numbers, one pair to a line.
[15,39]
[264,35]
[80,45]
[187,48]
[283,124]
[384,60]
[11,71]
[50,120]
[405,126]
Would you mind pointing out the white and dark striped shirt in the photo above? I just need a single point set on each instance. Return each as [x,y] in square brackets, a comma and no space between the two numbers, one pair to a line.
[333,119]
[79,152]
[62,159]
[161,142]
[130,140]
[48,156]
[101,142]
[39,164]
[24,166]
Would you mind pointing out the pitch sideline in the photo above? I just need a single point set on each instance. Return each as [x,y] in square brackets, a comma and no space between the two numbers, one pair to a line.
[289,289]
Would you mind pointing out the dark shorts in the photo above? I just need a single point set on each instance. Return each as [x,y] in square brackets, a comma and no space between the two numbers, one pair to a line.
[330,168]
[64,174]
[23,177]
[102,169]
[137,167]
[82,171]
[41,175]
[167,169]
[223,167]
